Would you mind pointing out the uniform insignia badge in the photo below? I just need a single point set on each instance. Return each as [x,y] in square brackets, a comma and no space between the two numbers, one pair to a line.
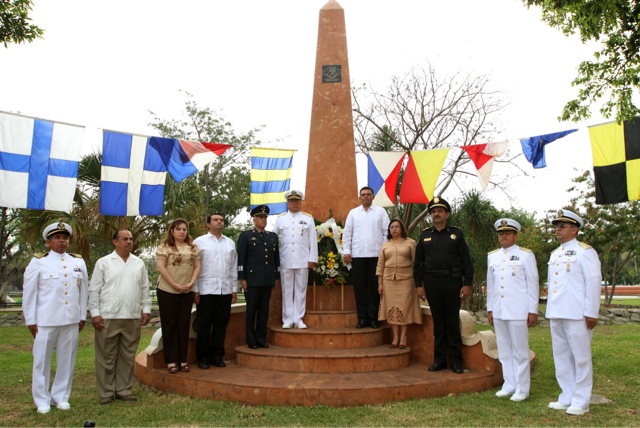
[453,236]
[253,238]
[436,200]
[570,253]
[514,258]
[427,239]
[560,213]
[61,226]
[504,223]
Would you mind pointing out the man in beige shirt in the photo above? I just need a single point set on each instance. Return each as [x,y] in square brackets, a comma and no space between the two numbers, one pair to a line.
[118,295]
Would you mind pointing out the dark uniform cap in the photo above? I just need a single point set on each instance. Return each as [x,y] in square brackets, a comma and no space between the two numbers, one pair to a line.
[507,224]
[260,210]
[439,202]
[567,216]
[54,228]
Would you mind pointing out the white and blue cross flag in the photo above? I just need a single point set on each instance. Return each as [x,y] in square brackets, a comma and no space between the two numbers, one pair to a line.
[38,163]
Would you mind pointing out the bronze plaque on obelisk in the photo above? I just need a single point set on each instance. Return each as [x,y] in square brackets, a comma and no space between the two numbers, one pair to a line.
[331,168]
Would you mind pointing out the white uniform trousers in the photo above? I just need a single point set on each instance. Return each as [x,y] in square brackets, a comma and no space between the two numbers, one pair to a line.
[65,341]
[294,294]
[572,358]
[512,337]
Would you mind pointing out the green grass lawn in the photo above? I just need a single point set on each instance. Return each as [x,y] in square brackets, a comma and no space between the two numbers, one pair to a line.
[616,355]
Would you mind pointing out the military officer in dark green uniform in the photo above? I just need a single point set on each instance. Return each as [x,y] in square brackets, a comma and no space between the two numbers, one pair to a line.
[444,269]
[258,273]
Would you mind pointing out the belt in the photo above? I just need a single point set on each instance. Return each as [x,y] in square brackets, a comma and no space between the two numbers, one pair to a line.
[438,273]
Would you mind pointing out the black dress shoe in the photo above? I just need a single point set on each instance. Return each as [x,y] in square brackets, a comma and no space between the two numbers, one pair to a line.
[252,346]
[218,363]
[264,345]
[361,324]
[436,367]
[457,369]
[204,365]
[374,324]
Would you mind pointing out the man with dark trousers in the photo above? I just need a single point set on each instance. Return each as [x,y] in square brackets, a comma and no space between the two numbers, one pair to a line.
[215,291]
[258,273]
[444,269]
[364,233]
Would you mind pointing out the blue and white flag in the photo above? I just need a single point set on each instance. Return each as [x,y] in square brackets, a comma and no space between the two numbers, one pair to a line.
[38,163]
[133,176]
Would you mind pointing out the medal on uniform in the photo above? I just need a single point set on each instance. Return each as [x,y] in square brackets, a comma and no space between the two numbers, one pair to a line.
[453,236]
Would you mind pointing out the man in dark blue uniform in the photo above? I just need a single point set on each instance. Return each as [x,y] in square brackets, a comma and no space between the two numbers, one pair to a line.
[444,269]
[258,273]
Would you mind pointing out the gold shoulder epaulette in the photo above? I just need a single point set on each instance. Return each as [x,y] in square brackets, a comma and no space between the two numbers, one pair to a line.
[526,250]
[40,255]
[77,256]
[585,246]
[491,252]
[306,214]
[280,215]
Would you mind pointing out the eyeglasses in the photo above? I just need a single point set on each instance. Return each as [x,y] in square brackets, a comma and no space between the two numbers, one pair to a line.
[563,226]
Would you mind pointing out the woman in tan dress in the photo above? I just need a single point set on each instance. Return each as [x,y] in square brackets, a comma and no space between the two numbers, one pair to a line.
[399,304]
[178,262]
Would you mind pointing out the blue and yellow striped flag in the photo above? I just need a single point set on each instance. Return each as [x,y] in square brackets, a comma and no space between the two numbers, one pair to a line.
[270,178]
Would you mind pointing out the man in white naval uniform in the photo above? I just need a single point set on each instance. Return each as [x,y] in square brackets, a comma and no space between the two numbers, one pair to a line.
[512,304]
[572,307]
[298,253]
[54,304]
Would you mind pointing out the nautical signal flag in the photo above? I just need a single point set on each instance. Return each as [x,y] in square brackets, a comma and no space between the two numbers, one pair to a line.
[184,158]
[134,170]
[38,163]
[533,147]
[482,156]
[132,176]
[382,177]
[421,175]
[616,161]
[270,178]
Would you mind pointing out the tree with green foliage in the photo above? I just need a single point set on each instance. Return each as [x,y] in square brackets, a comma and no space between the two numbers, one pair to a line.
[15,24]
[475,215]
[613,230]
[615,70]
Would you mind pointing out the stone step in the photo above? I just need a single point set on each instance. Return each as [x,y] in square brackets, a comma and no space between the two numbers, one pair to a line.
[268,387]
[331,318]
[295,360]
[327,337]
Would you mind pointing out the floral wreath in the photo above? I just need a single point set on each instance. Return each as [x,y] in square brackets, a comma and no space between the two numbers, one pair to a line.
[330,269]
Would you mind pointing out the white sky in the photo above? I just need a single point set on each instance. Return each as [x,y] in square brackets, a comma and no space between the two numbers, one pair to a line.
[105,64]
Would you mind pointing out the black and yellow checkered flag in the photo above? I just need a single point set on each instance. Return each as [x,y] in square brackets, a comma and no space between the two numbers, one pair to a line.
[616,161]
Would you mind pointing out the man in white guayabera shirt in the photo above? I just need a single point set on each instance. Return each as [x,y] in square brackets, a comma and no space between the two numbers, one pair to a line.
[216,290]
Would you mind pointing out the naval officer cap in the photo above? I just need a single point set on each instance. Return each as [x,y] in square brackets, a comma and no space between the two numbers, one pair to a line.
[507,224]
[294,195]
[260,210]
[54,228]
[566,216]
[439,202]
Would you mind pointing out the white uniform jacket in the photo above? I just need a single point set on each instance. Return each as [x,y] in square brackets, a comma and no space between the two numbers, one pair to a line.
[574,282]
[55,290]
[513,286]
[298,243]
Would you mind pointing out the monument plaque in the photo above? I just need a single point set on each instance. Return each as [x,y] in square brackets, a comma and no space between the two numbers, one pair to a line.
[331,73]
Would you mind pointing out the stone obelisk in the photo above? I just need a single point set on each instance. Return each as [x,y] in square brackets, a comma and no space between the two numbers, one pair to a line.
[331,168]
